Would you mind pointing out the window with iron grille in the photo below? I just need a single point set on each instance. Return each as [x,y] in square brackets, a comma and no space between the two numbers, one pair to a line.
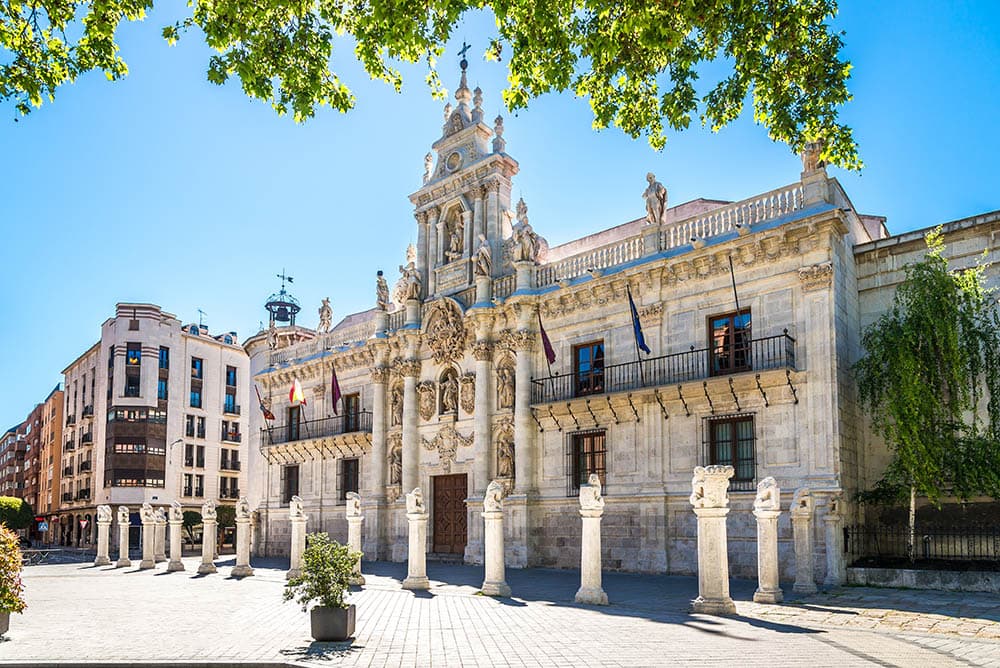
[729,441]
[349,469]
[586,453]
[289,482]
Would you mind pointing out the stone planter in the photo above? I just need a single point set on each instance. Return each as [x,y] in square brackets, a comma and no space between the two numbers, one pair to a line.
[4,622]
[332,623]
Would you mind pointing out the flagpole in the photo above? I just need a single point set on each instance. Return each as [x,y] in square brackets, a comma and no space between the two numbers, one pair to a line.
[736,297]
[635,336]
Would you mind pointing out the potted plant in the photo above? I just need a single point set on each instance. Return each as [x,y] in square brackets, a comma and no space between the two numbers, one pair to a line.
[11,589]
[326,571]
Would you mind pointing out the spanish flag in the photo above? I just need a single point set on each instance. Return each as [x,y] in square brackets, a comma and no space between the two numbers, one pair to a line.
[295,395]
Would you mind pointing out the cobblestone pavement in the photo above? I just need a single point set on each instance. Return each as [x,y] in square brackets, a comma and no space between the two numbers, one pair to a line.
[78,613]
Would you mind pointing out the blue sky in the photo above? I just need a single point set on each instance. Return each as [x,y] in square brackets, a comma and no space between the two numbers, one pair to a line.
[164,188]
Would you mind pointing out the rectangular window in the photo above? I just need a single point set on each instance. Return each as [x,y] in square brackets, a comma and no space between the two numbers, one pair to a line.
[201,427]
[189,426]
[199,485]
[133,354]
[133,370]
[729,342]
[292,424]
[349,470]
[290,482]
[223,488]
[234,460]
[587,454]
[352,412]
[231,431]
[164,357]
[196,367]
[588,363]
[199,460]
[229,403]
[231,376]
[161,389]
[188,454]
[195,398]
[111,371]
[188,484]
[224,459]
[730,442]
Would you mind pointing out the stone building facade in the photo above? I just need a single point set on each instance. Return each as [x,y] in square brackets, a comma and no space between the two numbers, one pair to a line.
[751,310]
[153,413]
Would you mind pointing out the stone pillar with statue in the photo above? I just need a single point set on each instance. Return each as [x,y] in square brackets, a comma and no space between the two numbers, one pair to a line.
[710,500]
[103,536]
[495,582]
[416,562]
[242,568]
[297,518]
[124,521]
[802,528]
[148,518]
[836,566]
[209,522]
[767,509]
[160,543]
[176,522]
[411,437]
[591,509]
[352,511]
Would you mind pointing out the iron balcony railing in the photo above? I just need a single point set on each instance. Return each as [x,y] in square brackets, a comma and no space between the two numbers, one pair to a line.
[342,424]
[88,411]
[87,438]
[67,496]
[68,470]
[70,445]
[70,419]
[772,352]
[231,409]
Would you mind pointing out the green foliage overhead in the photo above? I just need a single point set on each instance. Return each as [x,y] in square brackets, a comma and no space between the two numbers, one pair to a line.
[11,589]
[326,572]
[930,379]
[15,513]
[638,64]
[226,516]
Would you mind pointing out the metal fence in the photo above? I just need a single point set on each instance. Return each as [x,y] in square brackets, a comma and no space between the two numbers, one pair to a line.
[972,543]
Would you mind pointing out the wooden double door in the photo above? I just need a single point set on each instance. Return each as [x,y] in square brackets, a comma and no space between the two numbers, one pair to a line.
[450,515]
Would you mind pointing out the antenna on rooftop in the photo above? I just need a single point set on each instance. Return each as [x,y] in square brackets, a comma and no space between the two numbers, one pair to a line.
[201,318]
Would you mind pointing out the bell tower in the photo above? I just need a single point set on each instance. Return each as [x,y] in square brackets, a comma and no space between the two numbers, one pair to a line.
[465,198]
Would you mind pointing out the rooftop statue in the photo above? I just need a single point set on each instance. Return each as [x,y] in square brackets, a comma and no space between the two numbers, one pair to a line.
[656,201]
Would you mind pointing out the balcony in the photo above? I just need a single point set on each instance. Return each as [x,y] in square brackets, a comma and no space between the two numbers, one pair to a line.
[88,411]
[308,429]
[87,439]
[229,494]
[67,470]
[187,491]
[70,445]
[231,436]
[83,495]
[70,419]
[772,352]
[229,466]
[67,497]
[84,466]
[231,409]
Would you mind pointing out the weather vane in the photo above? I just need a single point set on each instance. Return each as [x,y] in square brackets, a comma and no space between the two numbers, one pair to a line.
[284,277]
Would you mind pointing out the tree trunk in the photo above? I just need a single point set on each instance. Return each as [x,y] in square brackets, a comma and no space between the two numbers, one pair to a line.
[911,547]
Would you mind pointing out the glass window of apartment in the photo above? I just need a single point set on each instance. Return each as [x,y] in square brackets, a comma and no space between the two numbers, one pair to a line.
[729,342]
[188,454]
[588,365]
[224,459]
[195,397]
[231,431]
[133,369]
[133,354]
[189,426]
[188,485]
[161,389]
[588,454]
[199,485]
[229,403]
[352,412]
[290,482]
[234,460]
[349,470]
[731,443]
[196,367]
[199,460]
[231,376]
[201,427]
[164,357]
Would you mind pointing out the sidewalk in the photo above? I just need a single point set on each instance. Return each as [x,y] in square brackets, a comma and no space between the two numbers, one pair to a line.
[82,613]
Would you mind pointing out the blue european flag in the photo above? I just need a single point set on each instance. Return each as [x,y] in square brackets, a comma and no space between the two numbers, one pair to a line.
[640,340]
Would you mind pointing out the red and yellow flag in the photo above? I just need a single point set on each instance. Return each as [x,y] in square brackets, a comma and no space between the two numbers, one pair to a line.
[295,395]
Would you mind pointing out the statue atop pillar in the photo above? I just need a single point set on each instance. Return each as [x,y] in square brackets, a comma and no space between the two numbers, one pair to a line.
[526,244]
[123,515]
[415,502]
[768,495]
[176,512]
[492,501]
[709,486]
[428,166]
[295,508]
[104,514]
[146,514]
[410,284]
[811,161]
[208,511]
[243,509]
[590,494]
[353,508]
[656,201]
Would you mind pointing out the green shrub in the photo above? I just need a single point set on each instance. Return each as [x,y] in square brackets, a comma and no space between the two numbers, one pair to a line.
[11,589]
[326,571]
[15,513]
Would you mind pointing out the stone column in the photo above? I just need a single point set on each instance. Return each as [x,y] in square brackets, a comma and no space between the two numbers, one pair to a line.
[422,243]
[836,566]
[411,437]
[123,526]
[524,428]
[802,517]
[767,509]
[209,519]
[433,244]
[176,521]
[591,510]
[103,536]
[379,376]
[495,583]
[354,519]
[148,537]
[242,568]
[710,499]
[416,562]
[482,351]
[478,224]
[297,517]
[160,542]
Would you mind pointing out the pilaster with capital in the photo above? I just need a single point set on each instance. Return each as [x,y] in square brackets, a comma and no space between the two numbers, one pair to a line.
[492,221]
[710,500]
[802,526]
[380,379]
[410,370]
[524,432]
[482,352]
[422,263]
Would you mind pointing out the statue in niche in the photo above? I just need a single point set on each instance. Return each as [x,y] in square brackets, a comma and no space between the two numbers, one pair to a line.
[455,244]
[396,406]
[449,393]
[505,387]
[526,244]
[381,292]
[325,316]
[656,201]
[396,463]
[428,166]
[505,455]
[484,257]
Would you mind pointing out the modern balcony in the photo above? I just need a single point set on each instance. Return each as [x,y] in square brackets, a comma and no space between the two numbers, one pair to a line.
[83,495]
[231,436]
[308,429]
[231,409]
[67,470]
[229,494]
[772,352]
[87,439]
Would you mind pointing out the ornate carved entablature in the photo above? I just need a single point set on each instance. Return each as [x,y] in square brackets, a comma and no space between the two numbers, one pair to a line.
[482,351]
[816,277]
[408,368]
[380,375]
[446,443]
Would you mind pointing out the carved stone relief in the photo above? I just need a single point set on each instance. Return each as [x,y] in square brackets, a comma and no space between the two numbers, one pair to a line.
[446,443]
[505,384]
[468,393]
[427,399]
[816,277]
[395,443]
[449,391]
[445,333]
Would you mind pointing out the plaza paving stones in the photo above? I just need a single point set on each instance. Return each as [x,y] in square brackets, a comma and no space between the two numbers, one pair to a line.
[81,614]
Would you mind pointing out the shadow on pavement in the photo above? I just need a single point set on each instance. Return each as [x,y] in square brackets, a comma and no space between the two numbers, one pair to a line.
[321,651]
